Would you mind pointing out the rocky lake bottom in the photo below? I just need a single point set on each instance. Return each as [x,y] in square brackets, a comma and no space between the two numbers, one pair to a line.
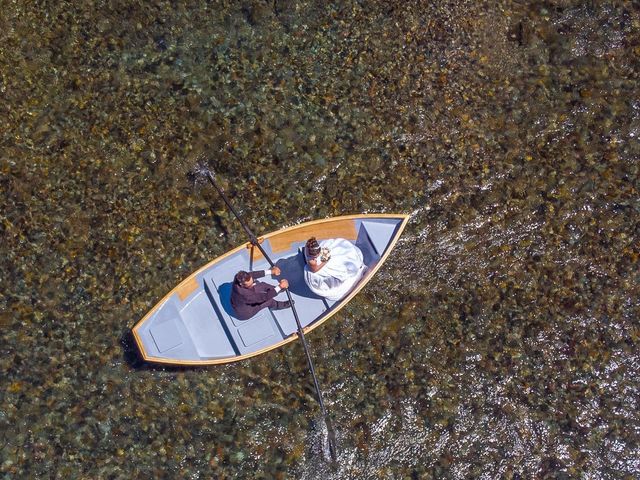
[499,340]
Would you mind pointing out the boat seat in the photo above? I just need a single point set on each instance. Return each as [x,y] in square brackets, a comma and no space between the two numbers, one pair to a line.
[205,329]
[379,234]
[247,335]
[164,331]
[312,308]
[256,329]
[369,252]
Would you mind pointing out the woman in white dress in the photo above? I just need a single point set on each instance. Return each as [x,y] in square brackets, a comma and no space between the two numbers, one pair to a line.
[333,267]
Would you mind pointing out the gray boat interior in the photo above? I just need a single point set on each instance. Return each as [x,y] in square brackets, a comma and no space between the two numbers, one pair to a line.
[203,327]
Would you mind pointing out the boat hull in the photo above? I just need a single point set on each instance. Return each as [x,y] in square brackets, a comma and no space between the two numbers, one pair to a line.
[194,324]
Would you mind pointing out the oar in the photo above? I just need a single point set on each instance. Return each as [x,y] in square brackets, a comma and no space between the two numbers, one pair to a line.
[254,241]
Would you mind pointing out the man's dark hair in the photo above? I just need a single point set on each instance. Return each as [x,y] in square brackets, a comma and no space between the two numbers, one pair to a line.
[242,277]
[313,247]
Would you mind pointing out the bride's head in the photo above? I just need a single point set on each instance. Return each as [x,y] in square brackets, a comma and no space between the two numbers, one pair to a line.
[313,247]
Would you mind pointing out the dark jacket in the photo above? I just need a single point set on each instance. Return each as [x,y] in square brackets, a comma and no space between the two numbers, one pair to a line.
[247,301]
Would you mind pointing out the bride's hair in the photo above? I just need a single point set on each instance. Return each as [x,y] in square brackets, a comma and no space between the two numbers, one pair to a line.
[313,247]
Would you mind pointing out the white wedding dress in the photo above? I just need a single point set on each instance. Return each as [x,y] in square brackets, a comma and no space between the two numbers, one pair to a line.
[336,278]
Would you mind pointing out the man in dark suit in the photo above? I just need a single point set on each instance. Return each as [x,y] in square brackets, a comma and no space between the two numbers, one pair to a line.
[249,296]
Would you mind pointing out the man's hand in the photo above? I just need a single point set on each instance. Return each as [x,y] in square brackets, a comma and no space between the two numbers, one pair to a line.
[284,283]
[275,271]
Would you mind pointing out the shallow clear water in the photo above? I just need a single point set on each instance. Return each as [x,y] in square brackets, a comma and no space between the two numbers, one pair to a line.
[500,339]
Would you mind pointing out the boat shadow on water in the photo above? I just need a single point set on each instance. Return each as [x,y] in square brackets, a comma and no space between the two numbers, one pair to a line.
[130,352]
[132,357]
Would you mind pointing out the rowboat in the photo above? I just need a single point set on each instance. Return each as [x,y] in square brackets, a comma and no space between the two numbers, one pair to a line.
[194,324]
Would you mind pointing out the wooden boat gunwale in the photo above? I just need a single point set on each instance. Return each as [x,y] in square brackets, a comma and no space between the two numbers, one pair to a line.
[187,284]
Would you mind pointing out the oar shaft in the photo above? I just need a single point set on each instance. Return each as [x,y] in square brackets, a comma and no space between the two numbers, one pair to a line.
[252,237]
[305,346]
[254,241]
